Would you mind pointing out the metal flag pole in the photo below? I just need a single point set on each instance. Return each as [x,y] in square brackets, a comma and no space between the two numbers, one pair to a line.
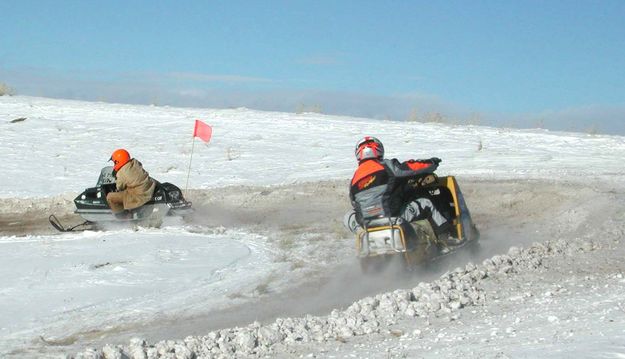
[186,187]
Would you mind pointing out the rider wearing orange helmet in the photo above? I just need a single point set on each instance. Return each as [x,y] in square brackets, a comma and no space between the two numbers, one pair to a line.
[375,191]
[134,185]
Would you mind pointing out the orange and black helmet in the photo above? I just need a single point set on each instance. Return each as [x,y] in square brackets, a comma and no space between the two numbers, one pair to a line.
[369,147]
[119,157]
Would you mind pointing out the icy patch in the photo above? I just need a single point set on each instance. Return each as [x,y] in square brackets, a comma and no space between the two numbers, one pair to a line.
[53,286]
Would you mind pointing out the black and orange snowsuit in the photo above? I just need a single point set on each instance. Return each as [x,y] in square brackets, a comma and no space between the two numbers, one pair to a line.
[375,191]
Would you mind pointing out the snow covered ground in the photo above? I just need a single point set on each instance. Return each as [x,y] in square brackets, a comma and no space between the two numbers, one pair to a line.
[82,282]
[265,225]
[62,145]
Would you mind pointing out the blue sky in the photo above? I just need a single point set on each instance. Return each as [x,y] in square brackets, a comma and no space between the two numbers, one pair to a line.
[558,63]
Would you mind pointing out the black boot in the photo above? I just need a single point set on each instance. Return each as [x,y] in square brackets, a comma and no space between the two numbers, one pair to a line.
[446,235]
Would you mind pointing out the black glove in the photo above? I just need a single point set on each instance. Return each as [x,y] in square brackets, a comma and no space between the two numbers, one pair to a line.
[435,160]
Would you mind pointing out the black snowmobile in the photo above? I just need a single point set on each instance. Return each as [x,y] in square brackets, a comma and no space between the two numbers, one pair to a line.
[387,239]
[93,207]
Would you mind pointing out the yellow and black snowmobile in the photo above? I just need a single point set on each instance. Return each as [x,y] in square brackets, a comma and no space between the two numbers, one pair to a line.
[384,239]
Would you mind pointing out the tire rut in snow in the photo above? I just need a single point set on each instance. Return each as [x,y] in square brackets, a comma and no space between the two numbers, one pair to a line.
[507,213]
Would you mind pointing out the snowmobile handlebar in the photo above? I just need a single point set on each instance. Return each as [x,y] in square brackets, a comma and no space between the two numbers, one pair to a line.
[421,181]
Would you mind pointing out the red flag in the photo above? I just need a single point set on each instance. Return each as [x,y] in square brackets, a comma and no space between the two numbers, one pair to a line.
[202,131]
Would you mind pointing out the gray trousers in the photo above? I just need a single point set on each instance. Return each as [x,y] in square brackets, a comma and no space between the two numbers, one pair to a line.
[420,208]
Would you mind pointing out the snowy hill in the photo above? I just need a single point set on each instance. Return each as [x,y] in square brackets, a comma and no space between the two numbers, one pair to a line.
[267,242]
[61,146]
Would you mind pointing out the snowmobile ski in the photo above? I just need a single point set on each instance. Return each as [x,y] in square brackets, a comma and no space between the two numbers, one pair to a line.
[59,227]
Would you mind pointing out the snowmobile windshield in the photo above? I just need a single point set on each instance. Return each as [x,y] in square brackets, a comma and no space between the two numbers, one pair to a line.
[106,176]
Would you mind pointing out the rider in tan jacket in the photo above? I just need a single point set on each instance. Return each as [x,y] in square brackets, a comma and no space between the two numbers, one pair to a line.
[134,185]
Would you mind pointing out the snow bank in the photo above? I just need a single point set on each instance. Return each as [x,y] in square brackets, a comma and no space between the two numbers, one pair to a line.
[453,291]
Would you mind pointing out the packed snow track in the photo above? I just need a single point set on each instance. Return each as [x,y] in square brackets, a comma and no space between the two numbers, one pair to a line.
[275,259]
